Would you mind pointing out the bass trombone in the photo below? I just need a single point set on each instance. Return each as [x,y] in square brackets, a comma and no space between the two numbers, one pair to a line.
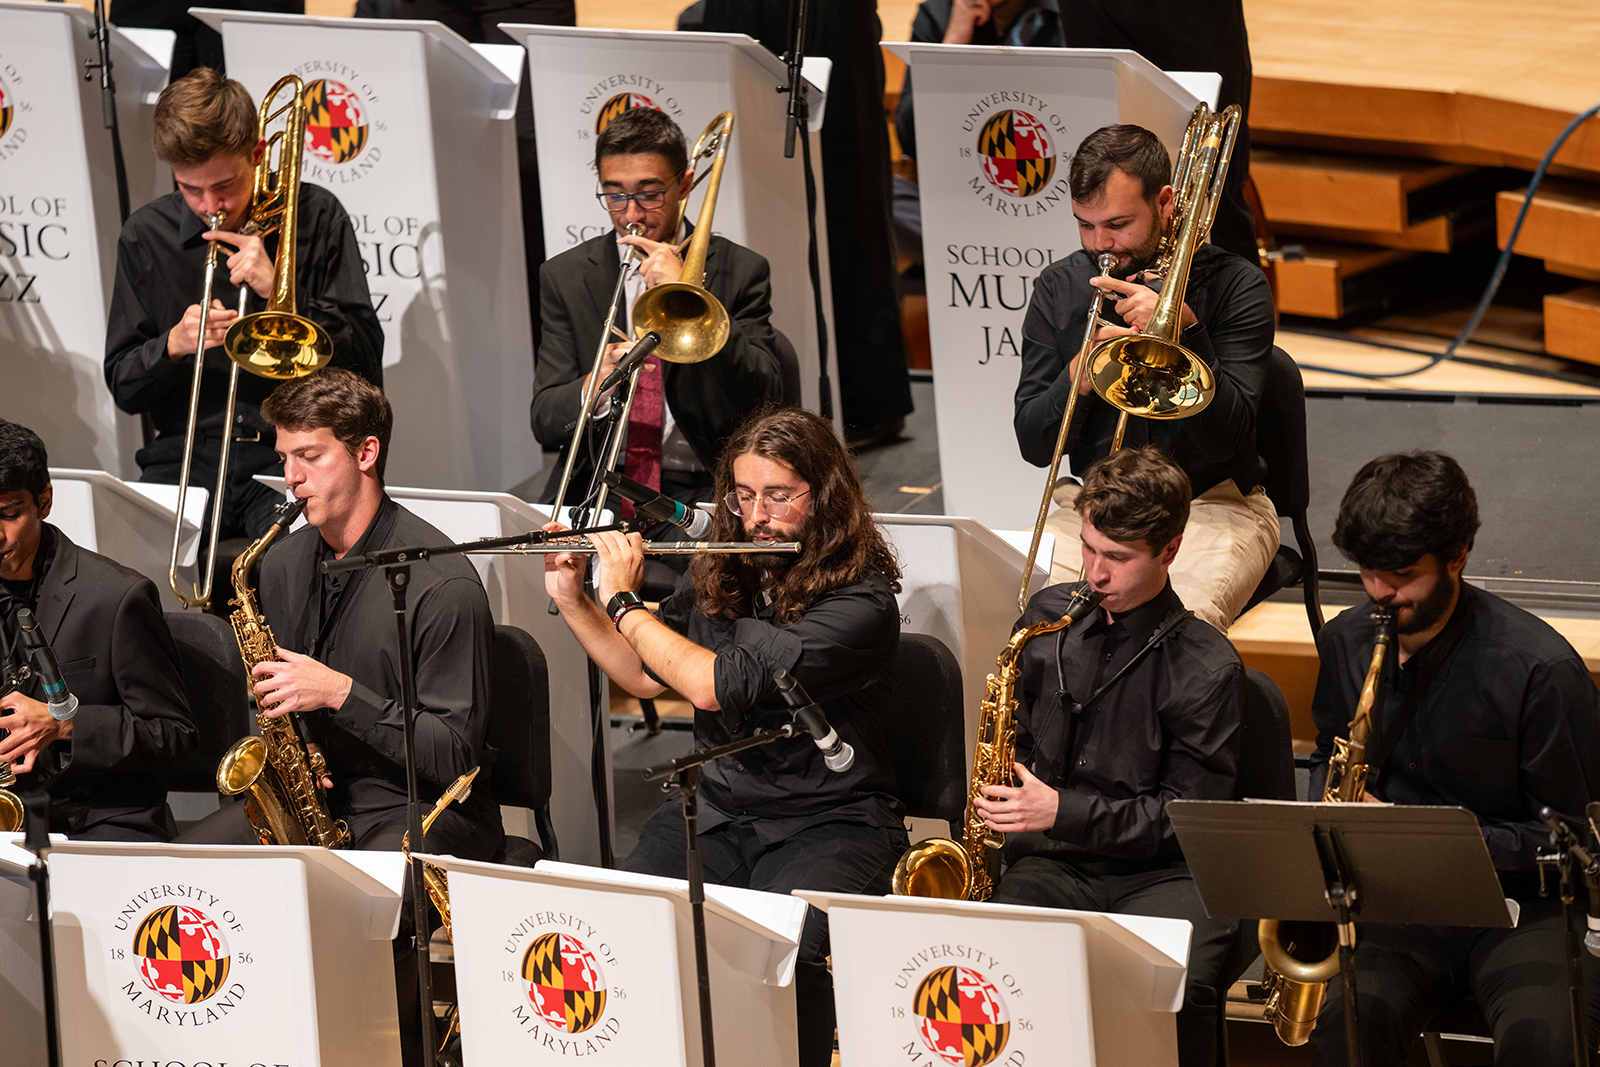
[1151,374]
[275,343]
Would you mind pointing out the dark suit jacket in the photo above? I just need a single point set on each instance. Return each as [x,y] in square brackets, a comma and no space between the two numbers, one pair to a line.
[117,656]
[707,399]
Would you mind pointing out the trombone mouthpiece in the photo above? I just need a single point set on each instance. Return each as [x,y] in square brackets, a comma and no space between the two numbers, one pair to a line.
[1107,263]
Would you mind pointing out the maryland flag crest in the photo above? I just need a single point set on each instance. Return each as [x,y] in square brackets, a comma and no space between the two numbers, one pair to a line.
[617,105]
[564,982]
[7,109]
[182,955]
[961,1016]
[336,127]
[1018,158]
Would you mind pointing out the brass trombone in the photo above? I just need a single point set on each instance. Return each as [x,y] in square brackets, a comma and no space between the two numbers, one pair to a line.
[1150,374]
[275,343]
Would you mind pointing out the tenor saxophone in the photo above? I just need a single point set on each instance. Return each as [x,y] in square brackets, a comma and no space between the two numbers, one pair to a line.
[966,870]
[284,780]
[1301,957]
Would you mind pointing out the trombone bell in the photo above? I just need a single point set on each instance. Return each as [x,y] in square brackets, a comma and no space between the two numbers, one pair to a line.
[692,324]
[1151,378]
[278,345]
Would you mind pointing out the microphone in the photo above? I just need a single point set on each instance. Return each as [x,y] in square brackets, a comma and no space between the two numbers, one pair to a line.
[835,753]
[636,355]
[61,703]
[659,507]
[1561,836]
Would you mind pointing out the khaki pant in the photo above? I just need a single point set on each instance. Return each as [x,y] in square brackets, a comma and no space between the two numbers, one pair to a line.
[1227,546]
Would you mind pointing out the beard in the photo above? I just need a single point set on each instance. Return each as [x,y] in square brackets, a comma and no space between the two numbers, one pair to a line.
[778,562]
[1426,613]
[1140,258]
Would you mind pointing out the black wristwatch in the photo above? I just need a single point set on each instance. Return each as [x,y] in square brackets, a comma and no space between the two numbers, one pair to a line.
[620,605]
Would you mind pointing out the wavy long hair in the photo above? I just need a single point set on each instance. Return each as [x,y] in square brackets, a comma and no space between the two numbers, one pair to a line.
[841,544]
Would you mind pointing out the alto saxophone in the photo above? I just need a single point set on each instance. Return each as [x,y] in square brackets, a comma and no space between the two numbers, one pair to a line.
[438,884]
[1301,957]
[284,780]
[940,867]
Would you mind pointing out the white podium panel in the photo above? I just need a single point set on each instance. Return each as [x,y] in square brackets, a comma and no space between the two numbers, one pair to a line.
[21,982]
[935,982]
[515,586]
[565,961]
[996,130]
[59,224]
[959,583]
[582,78]
[131,522]
[411,131]
[248,955]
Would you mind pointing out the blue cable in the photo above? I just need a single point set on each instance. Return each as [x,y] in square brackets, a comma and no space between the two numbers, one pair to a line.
[1500,267]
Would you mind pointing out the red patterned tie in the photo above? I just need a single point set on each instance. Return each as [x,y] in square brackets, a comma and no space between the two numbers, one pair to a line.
[643,460]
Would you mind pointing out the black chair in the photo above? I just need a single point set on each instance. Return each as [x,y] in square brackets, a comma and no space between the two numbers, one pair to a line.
[928,731]
[789,365]
[1266,772]
[219,695]
[519,728]
[1281,443]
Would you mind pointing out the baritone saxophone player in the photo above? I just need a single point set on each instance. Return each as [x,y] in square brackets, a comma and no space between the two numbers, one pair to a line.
[338,664]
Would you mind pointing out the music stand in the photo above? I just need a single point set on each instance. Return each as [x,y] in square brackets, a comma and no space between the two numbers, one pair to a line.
[1343,863]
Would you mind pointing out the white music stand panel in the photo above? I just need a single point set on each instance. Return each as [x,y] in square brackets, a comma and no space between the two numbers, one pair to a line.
[636,940]
[131,522]
[21,981]
[1037,984]
[256,954]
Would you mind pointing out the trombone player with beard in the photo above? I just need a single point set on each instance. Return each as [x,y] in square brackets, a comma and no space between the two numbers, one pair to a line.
[776,818]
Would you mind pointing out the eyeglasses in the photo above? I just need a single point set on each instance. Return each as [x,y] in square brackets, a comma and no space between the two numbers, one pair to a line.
[776,507]
[617,203]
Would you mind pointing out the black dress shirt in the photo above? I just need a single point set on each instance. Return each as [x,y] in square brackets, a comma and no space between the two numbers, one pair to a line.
[1233,303]
[160,273]
[842,651]
[1497,714]
[1168,730]
[452,633]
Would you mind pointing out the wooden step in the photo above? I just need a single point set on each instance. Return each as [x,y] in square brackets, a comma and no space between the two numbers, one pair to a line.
[1334,280]
[1562,227]
[1438,234]
[1572,324]
[1353,192]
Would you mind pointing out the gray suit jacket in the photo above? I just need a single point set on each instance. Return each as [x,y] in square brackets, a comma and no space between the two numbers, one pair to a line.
[707,399]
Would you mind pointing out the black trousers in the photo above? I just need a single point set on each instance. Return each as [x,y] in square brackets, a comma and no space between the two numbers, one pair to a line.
[1408,975]
[840,857]
[1126,888]
[247,505]
[380,831]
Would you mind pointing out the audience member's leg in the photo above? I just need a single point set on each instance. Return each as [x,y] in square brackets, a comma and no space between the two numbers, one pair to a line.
[838,857]
[1227,546]
[1405,975]
[663,850]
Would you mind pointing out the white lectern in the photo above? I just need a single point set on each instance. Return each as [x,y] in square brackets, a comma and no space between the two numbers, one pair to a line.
[59,221]
[272,955]
[996,130]
[21,983]
[932,982]
[564,961]
[411,130]
[959,584]
[581,78]
[517,598]
[131,522]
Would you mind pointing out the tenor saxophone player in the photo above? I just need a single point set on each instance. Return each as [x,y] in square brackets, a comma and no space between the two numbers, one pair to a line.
[1484,706]
[1136,705]
[337,666]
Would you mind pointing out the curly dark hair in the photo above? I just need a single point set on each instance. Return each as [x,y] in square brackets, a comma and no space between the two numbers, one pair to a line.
[1137,494]
[1401,507]
[842,543]
[24,464]
[1133,150]
[352,409]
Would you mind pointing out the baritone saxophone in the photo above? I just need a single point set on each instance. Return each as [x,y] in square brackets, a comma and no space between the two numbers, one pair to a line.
[283,778]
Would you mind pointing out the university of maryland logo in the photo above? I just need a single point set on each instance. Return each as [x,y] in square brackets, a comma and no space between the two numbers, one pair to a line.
[1018,158]
[564,983]
[183,957]
[617,105]
[961,1017]
[336,125]
[8,108]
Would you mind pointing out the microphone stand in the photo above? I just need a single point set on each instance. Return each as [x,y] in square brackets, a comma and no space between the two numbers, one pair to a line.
[685,772]
[37,841]
[1563,850]
[108,101]
[797,121]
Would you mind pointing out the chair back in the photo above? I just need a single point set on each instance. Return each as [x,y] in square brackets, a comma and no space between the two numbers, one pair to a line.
[1266,751]
[519,719]
[219,695]
[789,367]
[927,730]
[1281,435]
